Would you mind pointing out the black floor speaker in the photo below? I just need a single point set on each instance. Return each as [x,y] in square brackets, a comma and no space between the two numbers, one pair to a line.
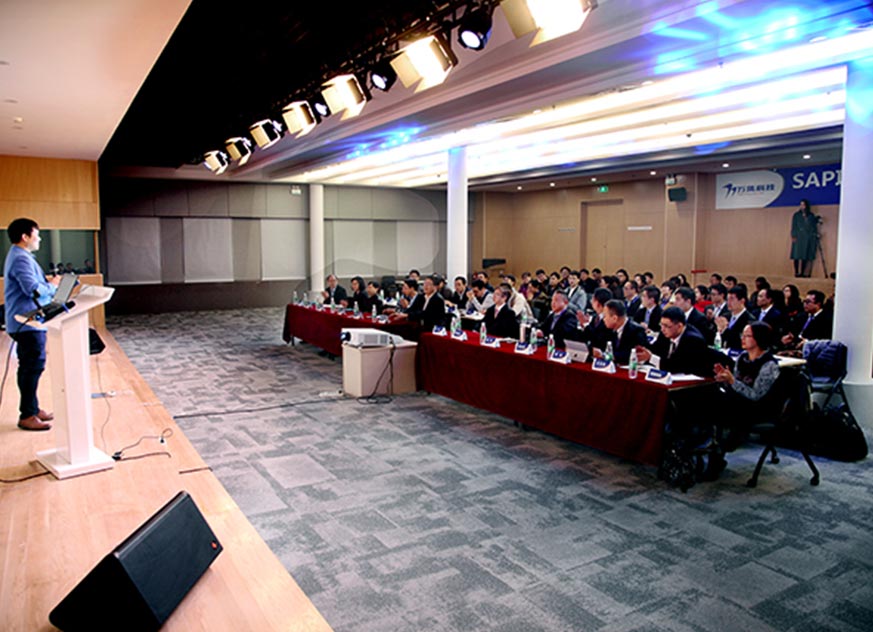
[139,584]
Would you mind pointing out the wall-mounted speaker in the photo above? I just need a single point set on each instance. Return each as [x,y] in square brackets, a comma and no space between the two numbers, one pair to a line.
[677,194]
[139,584]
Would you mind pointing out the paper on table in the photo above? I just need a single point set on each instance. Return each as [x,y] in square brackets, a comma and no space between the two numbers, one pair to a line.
[686,377]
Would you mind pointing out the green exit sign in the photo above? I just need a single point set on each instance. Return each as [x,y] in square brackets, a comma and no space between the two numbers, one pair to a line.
[603,188]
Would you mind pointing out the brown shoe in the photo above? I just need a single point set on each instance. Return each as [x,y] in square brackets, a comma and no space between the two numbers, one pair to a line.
[33,423]
[44,416]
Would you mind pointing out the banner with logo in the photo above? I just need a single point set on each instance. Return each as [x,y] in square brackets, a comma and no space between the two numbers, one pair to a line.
[778,187]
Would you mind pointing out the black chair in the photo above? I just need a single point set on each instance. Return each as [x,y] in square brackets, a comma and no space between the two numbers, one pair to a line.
[783,420]
[389,286]
[826,366]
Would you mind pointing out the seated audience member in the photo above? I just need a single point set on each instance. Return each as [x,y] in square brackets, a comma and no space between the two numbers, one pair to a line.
[539,301]
[819,322]
[682,280]
[701,298]
[668,288]
[684,300]
[415,275]
[516,302]
[632,300]
[714,279]
[596,275]
[732,325]
[576,293]
[648,278]
[593,330]
[525,279]
[768,312]
[587,282]
[88,268]
[479,298]
[622,276]
[761,283]
[410,298]
[794,314]
[561,322]
[638,277]
[358,292]
[649,313]
[624,333]
[565,277]
[334,293]
[428,308]
[483,276]
[754,375]
[543,278]
[730,281]
[554,283]
[500,320]
[459,296]
[442,288]
[679,348]
[615,285]
[371,299]
[718,295]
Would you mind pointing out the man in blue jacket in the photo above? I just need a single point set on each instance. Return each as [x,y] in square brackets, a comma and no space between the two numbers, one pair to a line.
[26,287]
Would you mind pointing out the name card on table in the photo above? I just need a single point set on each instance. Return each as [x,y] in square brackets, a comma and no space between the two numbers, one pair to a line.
[440,331]
[491,341]
[560,356]
[524,348]
[603,365]
[459,335]
[659,377]
[382,319]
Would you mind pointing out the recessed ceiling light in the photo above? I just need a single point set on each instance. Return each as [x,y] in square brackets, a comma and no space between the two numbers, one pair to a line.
[518,187]
[806,156]
[725,165]
[17,119]
[653,173]
[593,179]
[551,184]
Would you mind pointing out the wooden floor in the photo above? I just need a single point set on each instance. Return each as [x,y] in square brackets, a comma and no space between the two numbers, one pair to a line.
[53,532]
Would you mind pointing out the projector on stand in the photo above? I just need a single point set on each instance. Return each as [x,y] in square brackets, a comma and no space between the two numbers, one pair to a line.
[369,338]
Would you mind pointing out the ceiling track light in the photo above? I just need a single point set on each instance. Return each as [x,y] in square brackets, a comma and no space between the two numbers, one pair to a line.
[549,18]
[475,27]
[299,118]
[319,107]
[345,94]
[216,161]
[383,75]
[266,133]
[239,148]
[426,62]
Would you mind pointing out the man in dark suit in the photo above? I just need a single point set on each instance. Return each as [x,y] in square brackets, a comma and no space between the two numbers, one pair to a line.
[679,348]
[371,300]
[819,322]
[459,296]
[625,334]
[427,308]
[334,292]
[500,320]
[684,299]
[594,331]
[631,298]
[718,296]
[731,327]
[649,313]
[768,313]
[561,322]
[410,299]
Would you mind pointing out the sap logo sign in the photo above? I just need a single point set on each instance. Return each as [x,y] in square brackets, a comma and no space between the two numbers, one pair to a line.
[750,189]
[817,179]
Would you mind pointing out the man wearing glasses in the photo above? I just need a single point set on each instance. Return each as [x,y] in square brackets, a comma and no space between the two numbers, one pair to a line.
[819,322]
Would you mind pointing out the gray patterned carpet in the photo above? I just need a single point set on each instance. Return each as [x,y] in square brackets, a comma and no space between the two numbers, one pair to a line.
[425,514]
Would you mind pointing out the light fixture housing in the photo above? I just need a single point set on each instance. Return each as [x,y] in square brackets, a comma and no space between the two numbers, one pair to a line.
[299,118]
[239,148]
[426,62]
[319,107]
[266,133]
[549,18]
[475,28]
[383,75]
[344,93]
[216,161]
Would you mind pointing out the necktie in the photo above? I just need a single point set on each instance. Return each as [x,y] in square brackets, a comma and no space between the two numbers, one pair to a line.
[733,320]
[672,349]
[808,320]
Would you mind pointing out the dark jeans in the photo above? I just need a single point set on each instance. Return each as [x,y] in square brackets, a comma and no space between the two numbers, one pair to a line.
[31,364]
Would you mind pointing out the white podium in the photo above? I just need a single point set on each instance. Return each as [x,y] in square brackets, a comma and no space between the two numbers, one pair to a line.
[69,363]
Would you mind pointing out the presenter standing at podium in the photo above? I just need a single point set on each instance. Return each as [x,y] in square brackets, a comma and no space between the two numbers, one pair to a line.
[26,287]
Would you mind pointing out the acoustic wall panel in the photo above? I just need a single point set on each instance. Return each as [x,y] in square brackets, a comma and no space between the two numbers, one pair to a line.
[133,250]
[416,246]
[246,250]
[284,249]
[353,248]
[172,252]
[208,250]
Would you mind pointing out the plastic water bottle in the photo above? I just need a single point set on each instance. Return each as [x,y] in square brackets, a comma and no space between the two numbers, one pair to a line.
[296,298]
[522,331]
[482,334]
[332,305]
[550,347]
[608,354]
[456,325]
[718,343]
[374,313]
[634,363]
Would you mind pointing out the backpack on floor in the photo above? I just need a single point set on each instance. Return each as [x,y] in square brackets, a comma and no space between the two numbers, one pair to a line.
[834,433]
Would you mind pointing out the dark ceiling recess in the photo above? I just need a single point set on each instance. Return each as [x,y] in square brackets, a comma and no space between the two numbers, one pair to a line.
[230,64]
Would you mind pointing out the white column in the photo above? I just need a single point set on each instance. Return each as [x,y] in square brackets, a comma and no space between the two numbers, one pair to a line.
[55,247]
[316,237]
[853,316]
[457,222]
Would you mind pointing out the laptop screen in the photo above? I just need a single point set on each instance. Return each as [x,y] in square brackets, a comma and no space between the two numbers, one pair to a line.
[65,289]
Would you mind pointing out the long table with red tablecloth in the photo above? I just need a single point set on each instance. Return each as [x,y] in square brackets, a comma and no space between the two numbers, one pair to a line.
[610,412]
[321,328]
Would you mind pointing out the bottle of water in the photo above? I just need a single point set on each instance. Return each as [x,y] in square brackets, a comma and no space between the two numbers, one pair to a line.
[296,298]
[550,347]
[357,310]
[608,354]
[634,363]
[332,304]
[374,313]
[456,325]
[718,343]
[482,334]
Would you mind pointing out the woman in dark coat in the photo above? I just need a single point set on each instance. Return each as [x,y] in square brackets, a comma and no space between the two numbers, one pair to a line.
[804,239]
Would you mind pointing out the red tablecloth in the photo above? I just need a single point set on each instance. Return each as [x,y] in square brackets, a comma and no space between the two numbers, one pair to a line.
[322,328]
[609,412]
